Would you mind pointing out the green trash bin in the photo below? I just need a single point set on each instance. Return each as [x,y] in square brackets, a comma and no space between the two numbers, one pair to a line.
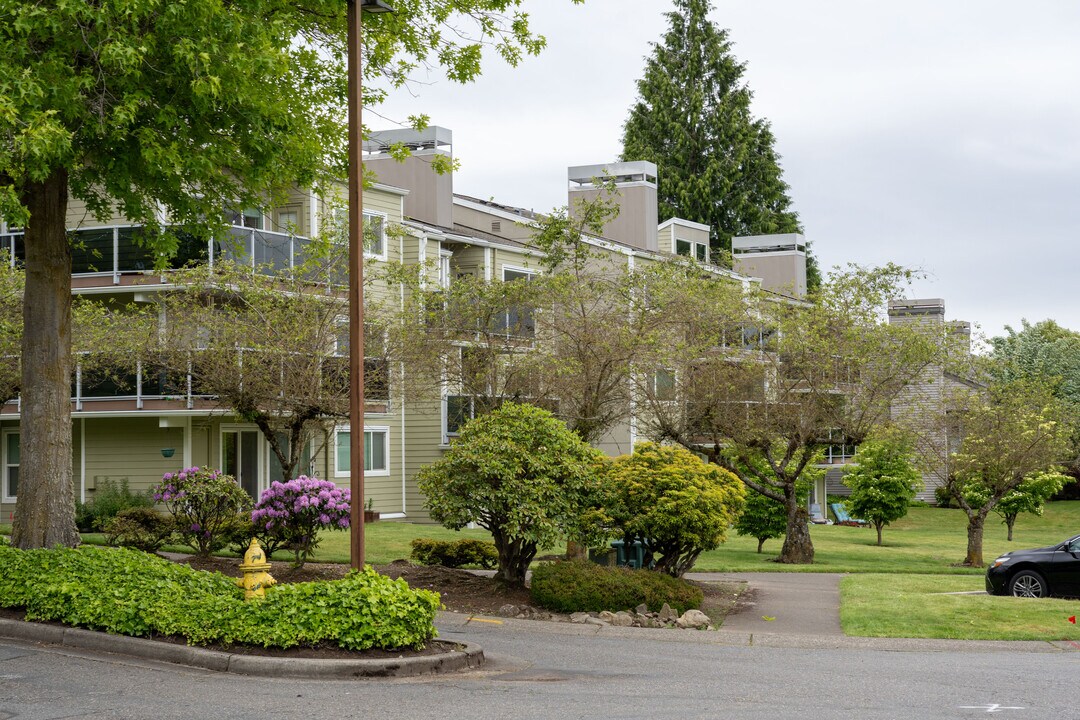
[632,555]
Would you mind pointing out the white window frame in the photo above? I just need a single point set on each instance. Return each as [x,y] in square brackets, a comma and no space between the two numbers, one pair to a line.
[444,268]
[384,430]
[4,465]
[376,255]
[530,274]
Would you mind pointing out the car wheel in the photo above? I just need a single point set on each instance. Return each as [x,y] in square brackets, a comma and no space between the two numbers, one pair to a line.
[1028,583]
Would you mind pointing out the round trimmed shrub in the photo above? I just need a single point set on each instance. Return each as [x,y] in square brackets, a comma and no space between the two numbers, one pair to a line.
[673,502]
[454,553]
[202,502]
[141,528]
[581,586]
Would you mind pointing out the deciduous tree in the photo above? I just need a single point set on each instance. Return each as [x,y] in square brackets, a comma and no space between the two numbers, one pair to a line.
[178,110]
[1006,433]
[883,481]
[761,390]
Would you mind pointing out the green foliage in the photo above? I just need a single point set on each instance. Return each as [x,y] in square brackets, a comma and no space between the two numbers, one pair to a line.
[883,482]
[581,586]
[519,473]
[454,553]
[203,502]
[131,593]
[140,528]
[110,498]
[1030,496]
[943,497]
[673,502]
[236,535]
[762,518]
[715,161]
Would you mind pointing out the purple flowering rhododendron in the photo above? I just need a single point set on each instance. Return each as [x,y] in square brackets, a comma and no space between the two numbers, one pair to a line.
[295,511]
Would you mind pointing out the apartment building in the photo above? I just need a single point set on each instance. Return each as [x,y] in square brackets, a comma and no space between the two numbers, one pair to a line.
[138,430]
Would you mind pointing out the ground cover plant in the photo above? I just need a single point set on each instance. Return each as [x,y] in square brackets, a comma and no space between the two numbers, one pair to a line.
[582,586]
[132,593]
[919,606]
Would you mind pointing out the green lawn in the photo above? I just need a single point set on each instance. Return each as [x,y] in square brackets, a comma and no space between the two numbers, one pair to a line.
[916,606]
[928,540]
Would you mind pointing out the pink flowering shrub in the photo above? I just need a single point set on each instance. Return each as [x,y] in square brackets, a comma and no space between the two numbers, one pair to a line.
[203,503]
[295,511]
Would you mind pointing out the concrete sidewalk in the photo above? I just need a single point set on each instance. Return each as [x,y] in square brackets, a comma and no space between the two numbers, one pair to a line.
[797,603]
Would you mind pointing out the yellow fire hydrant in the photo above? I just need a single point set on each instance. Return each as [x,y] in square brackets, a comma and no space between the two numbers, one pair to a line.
[254,567]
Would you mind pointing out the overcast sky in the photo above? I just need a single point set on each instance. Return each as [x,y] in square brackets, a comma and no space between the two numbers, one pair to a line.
[939,134]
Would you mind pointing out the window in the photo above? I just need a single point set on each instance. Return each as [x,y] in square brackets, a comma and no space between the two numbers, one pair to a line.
[519,319]
[696,250]
[663,385]
[375,235]
[277,472]
[11,466]
[287,219]
[460,409]
[248,217]
[376,451]
[444,269]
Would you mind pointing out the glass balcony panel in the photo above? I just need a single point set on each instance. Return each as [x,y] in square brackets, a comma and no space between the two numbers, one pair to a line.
[132,255]
[114,383]
[161,381]
[91,250]
[189,251]
[272,250]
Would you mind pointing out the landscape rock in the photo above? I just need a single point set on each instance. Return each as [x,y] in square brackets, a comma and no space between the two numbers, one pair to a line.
[622,619]
[607,616]
[596,621]
[509,611]
[693,619]
[579,617]
[642,609]
[667,614]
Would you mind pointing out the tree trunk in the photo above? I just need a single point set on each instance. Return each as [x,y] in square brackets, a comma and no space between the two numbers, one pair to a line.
[575,550]
[45,510]
[879,526]
[976,522]
[514,559]
[1010,520]
[760,544]
[798,548]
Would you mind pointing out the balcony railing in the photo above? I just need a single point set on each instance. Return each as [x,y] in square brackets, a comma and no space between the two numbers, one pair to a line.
[115,250]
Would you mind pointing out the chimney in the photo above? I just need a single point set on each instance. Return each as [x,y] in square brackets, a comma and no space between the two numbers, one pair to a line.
[921,311]
[779,260]
[959,337]
[431,195]
[634,195]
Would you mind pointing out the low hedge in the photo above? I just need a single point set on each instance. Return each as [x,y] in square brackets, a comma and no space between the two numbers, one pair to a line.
[128,592]
[455,553]
[581,586]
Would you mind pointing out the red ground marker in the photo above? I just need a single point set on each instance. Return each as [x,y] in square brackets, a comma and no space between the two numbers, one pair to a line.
[1073,619]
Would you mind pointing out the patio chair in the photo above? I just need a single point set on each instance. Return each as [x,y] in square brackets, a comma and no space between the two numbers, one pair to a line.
[816,516]
[842,516]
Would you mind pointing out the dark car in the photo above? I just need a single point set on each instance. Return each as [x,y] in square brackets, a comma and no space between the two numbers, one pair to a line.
[1040,572]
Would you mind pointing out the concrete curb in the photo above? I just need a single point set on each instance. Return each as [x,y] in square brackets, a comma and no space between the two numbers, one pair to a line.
[465,656]
[460,622]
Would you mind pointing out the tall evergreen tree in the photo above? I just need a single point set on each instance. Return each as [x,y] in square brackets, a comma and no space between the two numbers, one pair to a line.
[715,160]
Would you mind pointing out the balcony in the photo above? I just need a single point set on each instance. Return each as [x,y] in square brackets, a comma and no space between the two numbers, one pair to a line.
[113,251]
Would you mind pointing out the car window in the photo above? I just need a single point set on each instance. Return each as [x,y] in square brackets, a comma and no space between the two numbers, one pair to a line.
[1074,545]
